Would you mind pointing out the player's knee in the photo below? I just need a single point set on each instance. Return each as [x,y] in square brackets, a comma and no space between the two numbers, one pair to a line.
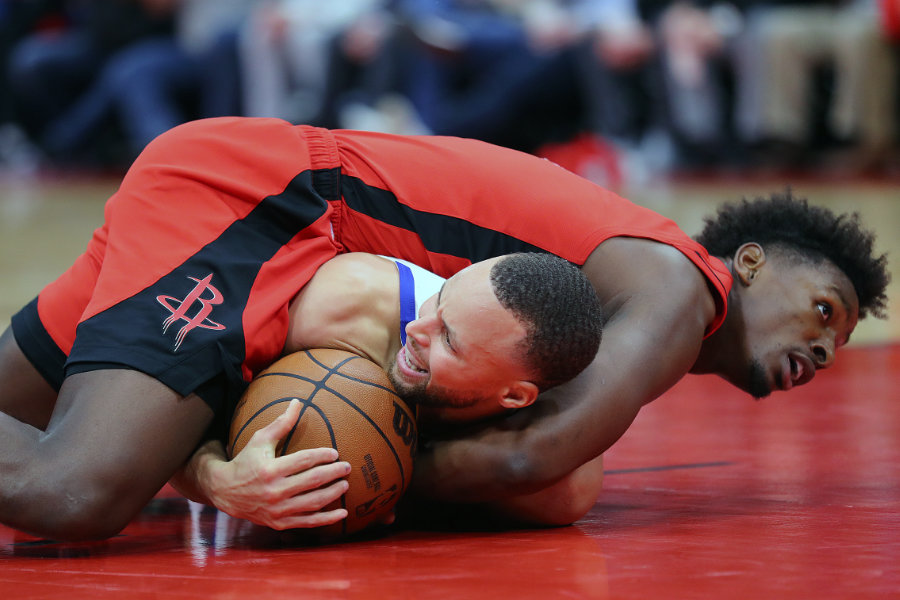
[84,513]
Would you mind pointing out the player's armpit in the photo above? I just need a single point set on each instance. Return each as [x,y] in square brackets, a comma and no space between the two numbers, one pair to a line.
[115,438]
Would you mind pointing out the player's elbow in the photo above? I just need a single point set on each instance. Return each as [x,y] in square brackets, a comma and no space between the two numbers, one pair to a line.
[561,503]
[556,506]
[576,493]
[569,507]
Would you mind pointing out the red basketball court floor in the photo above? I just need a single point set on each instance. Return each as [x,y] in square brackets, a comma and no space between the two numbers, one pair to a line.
[709,495]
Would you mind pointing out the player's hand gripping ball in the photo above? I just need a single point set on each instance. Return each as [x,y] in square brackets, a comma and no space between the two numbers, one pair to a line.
[347,403]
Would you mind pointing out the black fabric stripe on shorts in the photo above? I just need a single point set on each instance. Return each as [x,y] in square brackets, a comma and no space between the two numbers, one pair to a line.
[37,345]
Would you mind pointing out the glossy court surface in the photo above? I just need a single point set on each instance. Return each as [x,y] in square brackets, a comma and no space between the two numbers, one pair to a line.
[709,495]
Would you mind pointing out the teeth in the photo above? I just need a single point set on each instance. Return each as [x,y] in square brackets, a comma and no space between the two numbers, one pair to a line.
[410,364]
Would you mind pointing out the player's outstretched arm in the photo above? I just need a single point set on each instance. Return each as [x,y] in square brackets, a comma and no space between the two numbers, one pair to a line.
[658,307]
[283,492]
[114,439]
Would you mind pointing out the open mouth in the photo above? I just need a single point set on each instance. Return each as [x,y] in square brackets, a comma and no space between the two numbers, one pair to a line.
[800,370]
[410,365]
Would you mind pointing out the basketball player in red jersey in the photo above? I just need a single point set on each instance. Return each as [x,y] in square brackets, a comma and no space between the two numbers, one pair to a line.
[453,349]
[159,330]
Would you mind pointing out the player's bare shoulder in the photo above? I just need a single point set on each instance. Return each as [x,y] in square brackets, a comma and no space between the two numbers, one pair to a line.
[351,304]
[638,275]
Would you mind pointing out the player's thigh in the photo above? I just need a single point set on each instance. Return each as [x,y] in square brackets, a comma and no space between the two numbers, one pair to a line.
[24,393]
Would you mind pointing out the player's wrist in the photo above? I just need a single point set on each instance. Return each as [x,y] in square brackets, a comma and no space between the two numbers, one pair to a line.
[208,470]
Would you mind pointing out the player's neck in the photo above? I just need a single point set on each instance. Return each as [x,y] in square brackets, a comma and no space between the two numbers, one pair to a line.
[724,344]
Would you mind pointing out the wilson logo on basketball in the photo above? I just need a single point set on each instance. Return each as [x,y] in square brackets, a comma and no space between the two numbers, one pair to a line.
[405,428]
[179,309]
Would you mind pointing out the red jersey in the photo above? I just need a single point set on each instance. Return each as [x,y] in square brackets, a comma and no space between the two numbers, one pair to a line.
[219,223]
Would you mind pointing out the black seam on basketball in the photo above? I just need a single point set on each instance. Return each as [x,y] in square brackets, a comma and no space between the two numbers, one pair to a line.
[290,434]
[321,384]
[392,391]
[375,426]
[335,370]
[309,403]
[370,384]
[247,422]
[330,370]
[286,374]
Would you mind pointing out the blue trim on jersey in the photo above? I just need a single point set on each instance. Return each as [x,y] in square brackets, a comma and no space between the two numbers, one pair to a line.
[407,299]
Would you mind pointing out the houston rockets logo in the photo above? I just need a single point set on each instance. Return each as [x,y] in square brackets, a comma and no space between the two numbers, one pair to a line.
[180,308]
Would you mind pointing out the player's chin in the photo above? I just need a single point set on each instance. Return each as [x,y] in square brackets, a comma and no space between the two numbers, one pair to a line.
[404,388]
[760,381]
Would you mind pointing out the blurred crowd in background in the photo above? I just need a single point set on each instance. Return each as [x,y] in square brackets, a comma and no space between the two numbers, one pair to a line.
[610,88]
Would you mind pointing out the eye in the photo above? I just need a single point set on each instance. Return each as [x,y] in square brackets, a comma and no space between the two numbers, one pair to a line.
[824,309]
[446,337]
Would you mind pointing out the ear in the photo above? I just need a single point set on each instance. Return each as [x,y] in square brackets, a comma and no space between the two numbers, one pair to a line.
[748,259]
[519,395]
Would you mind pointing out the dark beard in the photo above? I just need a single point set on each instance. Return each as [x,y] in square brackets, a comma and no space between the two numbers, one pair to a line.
[757,382]
[418,395]
[423,398]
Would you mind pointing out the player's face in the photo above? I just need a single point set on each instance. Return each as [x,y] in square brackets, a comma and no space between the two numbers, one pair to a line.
[796,315]
[462,352]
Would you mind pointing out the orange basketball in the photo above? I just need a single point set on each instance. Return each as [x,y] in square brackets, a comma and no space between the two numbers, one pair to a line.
[348,404]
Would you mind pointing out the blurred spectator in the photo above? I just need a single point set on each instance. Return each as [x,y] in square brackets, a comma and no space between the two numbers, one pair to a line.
[18,18]
[287,47]
[623,90]
[512,72]
[697,45]
[57,76]
[159,82]
[788,44]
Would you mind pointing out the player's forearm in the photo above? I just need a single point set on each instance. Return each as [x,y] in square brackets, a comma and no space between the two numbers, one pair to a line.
[535,447]
[495,461]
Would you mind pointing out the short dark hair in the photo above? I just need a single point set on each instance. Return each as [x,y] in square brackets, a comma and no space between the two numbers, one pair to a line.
[559,308]
[789,223]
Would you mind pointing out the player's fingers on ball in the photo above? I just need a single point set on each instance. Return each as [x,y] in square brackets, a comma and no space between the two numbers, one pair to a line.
[318,519]
[315,499]
[280,427]
[318,476]
[303,460]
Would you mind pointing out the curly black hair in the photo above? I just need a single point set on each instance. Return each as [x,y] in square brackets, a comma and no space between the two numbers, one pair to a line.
[814,232]
[559,308]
